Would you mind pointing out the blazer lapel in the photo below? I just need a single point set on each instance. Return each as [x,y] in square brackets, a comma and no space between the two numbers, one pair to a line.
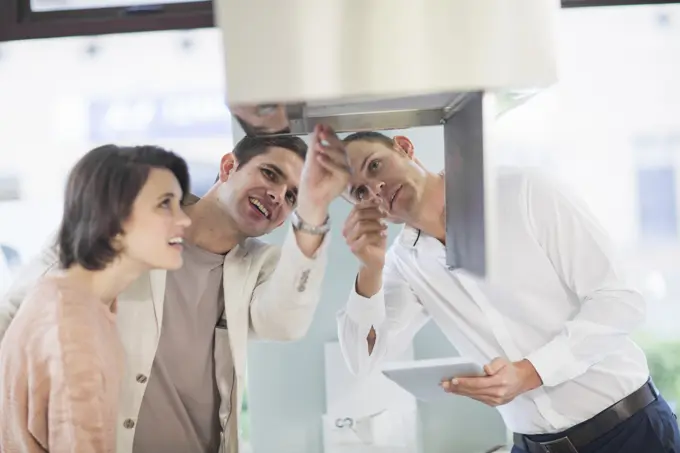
[157,279]
[236,302]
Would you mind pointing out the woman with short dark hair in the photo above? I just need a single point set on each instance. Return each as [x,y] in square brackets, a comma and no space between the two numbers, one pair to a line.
[61,358]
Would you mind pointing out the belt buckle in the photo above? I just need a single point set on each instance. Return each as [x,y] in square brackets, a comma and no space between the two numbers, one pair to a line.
[561,445]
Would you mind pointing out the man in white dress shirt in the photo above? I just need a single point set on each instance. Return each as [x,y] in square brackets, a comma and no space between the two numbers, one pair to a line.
[553,331]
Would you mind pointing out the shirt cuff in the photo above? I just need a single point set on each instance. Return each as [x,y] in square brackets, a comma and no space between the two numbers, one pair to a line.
[555,363]
[366,311]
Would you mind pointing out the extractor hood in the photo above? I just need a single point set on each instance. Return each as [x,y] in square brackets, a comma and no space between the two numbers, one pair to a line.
[392,64]
[346,115]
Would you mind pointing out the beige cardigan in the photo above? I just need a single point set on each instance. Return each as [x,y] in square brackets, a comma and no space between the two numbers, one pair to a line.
[60,371]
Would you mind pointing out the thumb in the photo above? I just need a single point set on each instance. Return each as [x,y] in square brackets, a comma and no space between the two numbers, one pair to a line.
[495,366]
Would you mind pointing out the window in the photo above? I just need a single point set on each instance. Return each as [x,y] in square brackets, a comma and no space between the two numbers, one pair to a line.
[61,5]
[28,19]
[31,19]
[609,129]
[657,202]
[61,98]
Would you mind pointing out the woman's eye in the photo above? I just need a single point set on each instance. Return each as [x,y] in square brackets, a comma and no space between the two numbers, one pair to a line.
[360,193]
[268,174]
[165,204]
[374,165]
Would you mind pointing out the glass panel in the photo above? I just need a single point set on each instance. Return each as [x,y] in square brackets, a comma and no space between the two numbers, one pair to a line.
[61,5]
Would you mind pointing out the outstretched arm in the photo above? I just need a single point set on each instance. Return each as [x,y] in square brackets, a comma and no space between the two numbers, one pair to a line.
[289,288]
[382,314]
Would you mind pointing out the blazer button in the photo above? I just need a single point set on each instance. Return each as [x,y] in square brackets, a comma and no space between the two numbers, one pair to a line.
[128,423]
[141,378]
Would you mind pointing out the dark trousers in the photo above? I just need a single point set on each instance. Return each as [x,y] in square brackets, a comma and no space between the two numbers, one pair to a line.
[654,429]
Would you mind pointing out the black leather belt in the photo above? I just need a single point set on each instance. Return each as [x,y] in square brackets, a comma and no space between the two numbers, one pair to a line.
[577,437]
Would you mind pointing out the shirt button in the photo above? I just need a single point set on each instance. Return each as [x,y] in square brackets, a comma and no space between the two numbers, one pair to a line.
[128,423]
[141,378]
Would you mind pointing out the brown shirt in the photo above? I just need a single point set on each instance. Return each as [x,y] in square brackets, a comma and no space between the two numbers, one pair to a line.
[179,411]
[61,363]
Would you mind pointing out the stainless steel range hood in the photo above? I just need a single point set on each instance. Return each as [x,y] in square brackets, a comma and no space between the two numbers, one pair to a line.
[392,64]
[346,115]
[377,114]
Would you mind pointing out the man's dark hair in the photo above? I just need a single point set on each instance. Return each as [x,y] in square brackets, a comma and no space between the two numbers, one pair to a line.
[100,193]
[252,146]
[369,136]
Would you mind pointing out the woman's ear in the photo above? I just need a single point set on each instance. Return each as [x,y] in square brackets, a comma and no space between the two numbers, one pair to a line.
[227,166]
[403,144]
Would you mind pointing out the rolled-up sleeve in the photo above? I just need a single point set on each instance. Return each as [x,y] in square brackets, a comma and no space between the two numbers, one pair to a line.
[395,313]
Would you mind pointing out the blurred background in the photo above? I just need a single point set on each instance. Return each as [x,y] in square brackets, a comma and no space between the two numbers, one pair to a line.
[610,129]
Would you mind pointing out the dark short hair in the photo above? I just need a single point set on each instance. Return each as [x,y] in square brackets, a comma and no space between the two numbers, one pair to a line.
[369,136]
[252,146]
[100,193]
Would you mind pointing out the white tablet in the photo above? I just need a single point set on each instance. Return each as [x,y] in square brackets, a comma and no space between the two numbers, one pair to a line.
[422,378]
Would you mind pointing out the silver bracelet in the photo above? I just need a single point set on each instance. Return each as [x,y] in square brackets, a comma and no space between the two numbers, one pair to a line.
[301,225]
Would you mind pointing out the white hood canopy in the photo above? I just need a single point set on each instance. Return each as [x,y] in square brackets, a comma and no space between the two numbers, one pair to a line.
[391,64]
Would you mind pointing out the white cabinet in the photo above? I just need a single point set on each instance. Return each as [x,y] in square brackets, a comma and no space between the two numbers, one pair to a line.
[371,415]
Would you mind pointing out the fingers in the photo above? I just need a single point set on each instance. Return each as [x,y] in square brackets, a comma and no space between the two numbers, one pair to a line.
[331,164]
[498,388]
[365,241]
[331,139]
[326,143]
[364,212]
[369,228]
[475,385]
[496,366]
[367,208]
[334,161]
[492,390]
[364,221]
[369,204]
[375,237]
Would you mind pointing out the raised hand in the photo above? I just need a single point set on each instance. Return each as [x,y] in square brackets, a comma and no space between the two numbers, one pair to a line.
[365,232]
[326,171]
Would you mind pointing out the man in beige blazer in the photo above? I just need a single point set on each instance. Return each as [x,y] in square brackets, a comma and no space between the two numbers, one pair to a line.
[185,332]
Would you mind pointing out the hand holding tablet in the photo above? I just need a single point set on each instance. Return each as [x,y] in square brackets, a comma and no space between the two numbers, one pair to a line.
[422,378]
